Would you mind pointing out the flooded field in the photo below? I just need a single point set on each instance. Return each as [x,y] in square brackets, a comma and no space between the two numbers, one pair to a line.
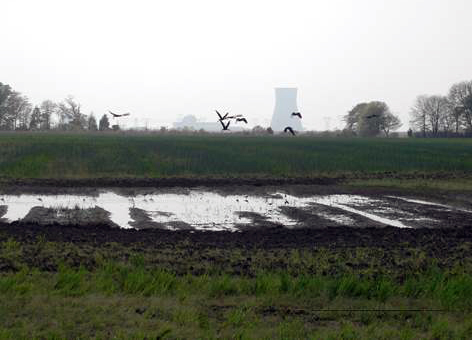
[204,209]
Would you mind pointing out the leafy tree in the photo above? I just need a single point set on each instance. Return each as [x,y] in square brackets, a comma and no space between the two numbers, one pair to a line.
[389,122]
[104,123]
[369,119]
[353,116]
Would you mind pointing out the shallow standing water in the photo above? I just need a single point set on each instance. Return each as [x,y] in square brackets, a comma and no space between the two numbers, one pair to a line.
[208,210]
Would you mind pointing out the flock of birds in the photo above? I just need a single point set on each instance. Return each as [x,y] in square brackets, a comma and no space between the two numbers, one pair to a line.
[228,118]
[240,118]
[237,118]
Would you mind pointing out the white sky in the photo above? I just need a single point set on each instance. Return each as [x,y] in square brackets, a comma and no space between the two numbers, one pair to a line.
[161,60]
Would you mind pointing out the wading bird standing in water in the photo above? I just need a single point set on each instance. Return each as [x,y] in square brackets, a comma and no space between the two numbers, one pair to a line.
[297,114]
[118,116]
[289,129]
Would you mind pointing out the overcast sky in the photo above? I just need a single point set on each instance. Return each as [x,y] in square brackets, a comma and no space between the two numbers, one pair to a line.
[162,60]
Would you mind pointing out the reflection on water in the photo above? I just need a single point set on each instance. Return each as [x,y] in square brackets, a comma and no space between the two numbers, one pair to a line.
[212,211]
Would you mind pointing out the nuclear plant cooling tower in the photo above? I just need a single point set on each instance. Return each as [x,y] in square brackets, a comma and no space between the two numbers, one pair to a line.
[285,104]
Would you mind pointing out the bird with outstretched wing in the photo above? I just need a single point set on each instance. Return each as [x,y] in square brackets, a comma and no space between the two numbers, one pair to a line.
[222,117]
[115,115]
[289,129]
[225,126]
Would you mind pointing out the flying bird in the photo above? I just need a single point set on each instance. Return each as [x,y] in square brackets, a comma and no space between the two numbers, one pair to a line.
[297,114]
[241,120]
[117,115]
[233,117]
[289,129]
[222,117]
[225,127]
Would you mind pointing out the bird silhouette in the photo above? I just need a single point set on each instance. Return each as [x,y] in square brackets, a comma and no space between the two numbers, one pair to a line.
[371,116]
[234,117]
[225,127]
[289,129]
[115,115]
[222,117]
[241,120]
[297,114]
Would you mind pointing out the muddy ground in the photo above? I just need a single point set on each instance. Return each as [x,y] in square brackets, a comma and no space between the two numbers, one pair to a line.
[387,202]
[393,251]
[366,246]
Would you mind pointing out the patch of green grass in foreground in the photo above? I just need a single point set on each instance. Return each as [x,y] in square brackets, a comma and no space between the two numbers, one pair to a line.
[118,300]
[29,155]
[173,290]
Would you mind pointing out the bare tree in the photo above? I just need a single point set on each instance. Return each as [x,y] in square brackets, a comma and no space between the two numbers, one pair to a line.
[431,113]
[5,92]
[48,109]
[18,112]
[70,116]
[460,97]
[418,115]
[92,123]
[35,121]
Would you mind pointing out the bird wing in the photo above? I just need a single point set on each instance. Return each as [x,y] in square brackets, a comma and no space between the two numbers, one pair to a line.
[227,125]
[219,115]
[113,114]
[126,114]
[222,124]
[226,115]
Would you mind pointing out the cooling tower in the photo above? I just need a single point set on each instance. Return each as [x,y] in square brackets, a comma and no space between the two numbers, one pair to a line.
[285,104]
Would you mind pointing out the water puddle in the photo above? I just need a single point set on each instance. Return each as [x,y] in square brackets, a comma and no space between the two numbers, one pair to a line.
[411,200]
[207,210]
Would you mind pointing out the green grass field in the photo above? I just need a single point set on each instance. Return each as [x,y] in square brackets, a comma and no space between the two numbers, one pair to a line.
[119,291]
[77,287]
[93,156]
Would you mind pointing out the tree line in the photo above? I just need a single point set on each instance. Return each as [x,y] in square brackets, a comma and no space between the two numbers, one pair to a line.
[18,114]
[443,115]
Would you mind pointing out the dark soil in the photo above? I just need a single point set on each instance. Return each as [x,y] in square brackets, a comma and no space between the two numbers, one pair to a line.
[190,182]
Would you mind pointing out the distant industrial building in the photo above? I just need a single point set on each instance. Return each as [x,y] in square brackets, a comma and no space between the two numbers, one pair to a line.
[285,104]
[190,122]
